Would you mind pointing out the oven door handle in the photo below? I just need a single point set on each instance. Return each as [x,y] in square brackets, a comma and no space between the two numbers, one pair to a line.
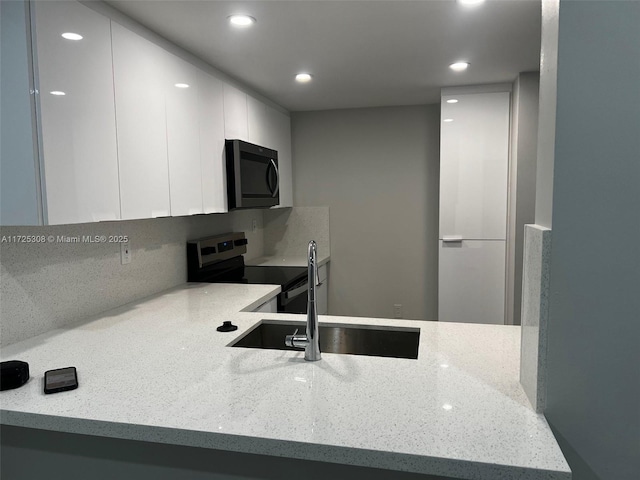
[296,291]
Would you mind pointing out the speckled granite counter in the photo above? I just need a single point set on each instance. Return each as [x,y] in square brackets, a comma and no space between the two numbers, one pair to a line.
[458,410]
[286,261]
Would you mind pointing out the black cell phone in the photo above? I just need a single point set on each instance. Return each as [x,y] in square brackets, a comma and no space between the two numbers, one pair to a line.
[60,380]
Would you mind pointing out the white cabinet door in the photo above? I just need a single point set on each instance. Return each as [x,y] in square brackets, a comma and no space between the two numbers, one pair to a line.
[77,113]
[139,74]
[235,114]
[211,114]
[474,153]
[258,124]
[183,136]
[471,284]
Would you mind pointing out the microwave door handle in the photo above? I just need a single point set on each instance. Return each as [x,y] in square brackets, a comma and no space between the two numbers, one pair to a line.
[275,167]
[269,179]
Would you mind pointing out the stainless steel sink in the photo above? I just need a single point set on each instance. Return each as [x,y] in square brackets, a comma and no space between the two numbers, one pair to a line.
[399,342]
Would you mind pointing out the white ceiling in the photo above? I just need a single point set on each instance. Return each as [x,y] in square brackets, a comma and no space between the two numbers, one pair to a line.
[362,53]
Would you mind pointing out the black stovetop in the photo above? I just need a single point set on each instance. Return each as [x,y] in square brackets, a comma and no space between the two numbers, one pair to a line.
[235,271]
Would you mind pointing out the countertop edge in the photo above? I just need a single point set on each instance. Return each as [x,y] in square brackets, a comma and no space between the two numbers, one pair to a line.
[264,298]
[456,468]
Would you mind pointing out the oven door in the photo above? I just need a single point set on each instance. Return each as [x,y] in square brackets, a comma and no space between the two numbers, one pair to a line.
[294,299]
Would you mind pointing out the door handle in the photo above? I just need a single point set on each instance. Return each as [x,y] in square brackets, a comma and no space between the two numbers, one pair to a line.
[451,238]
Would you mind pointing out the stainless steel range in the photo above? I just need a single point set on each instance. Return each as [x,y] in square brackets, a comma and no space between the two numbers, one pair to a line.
[220,259]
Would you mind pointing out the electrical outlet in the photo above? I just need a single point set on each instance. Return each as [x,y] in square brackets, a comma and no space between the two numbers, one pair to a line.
[397,310]
[125,253]
[254,225]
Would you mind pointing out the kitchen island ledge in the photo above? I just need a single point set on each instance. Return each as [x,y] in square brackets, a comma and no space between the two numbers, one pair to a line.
[158,371]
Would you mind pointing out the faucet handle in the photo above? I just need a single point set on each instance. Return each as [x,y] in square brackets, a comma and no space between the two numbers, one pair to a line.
[288,340]
[296,341]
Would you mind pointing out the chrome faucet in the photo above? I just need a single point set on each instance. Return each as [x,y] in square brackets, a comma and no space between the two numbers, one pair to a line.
[311,341]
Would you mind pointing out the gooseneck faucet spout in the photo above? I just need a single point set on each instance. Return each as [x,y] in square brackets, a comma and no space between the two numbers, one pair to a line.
[311,341]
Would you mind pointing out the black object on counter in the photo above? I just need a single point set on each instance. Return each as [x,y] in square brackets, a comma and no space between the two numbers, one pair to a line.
[60,380]
[13,374]
[227,326]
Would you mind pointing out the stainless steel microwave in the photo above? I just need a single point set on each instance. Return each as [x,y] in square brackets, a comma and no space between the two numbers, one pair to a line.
[252,175]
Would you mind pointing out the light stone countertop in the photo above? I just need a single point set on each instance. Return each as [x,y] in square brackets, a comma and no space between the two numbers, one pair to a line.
[285,261]
[158,371]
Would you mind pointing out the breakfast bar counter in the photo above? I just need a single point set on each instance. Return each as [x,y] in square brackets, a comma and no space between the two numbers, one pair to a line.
[159,371]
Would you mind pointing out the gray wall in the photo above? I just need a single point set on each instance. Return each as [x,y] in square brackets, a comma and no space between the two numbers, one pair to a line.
[547,112]
[49,285]
[378,171]
[593,384]
[522,183]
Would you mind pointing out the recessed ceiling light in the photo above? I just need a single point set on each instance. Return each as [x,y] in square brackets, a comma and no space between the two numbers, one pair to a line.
[72,36]
[241,20]
[448,120]
[303,77]
[57,92]
[459,66]
[470,2]
[182,85]
[452,100]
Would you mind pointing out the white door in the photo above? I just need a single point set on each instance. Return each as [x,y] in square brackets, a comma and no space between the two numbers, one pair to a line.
[183,136]
[77,112]
[474,156]
[259,127]
[139,74]
[471,281]
[214,183]
[235,114]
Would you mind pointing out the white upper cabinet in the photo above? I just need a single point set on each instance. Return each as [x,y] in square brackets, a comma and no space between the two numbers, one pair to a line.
[183,136]
[259,124]
[235,114]
[128,130]
[77,113]
[474,153]
[211,114]
[140,84]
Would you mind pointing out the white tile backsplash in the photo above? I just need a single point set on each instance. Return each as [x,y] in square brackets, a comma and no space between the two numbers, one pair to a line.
[52,284]
[288,231]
